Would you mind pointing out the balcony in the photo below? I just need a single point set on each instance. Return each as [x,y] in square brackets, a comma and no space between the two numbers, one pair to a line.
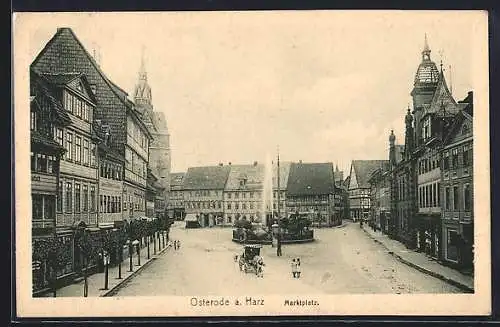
[44,223]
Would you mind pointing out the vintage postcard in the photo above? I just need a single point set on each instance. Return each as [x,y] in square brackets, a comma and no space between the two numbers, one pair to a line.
[252,163]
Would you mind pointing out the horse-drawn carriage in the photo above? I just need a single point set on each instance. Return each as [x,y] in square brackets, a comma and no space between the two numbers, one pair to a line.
[250,260]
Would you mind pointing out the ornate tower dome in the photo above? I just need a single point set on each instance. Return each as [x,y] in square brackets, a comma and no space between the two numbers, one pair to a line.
[427,72]
[142,92]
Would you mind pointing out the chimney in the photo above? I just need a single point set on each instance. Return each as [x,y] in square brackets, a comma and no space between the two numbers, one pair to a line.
[229,163]
[300,161]
[221,164]
[255,163]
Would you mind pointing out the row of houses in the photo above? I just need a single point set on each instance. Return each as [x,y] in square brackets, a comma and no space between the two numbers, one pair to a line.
[423,194]
[98,159]
[222,194]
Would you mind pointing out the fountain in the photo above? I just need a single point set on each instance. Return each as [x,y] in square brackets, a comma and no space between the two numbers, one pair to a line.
[286,230]
[267,191]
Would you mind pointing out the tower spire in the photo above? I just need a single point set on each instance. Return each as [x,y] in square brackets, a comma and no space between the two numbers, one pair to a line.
[142,69]
[426,52]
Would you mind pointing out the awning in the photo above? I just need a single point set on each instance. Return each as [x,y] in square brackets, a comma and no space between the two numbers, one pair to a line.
[191,217]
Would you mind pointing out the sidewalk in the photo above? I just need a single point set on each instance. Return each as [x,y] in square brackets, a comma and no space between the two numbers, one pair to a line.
[96,281]
[421,262]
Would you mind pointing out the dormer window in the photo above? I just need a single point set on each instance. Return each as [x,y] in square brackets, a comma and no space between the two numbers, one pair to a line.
[79,87]
[426,129]
[465,129]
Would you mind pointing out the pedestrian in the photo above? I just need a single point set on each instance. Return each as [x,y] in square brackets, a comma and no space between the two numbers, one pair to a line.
[278,248]
[294,268]
[178,245]
[175,245]
[297,262]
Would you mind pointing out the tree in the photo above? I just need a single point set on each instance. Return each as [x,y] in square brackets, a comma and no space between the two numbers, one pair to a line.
[52,251]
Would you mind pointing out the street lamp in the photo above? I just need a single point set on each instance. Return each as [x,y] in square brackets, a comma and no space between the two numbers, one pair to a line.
[136,244]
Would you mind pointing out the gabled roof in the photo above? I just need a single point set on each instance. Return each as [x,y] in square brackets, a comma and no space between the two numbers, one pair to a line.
[65,79]
[177,179]
[61,78]
[206,178]
[119,92]
[364,168]
[254,175]
[310,179]
[43,86]
[442,99]
[456,124]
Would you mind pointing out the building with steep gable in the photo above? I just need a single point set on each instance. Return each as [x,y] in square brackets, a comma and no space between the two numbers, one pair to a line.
[458,189]
[359,187]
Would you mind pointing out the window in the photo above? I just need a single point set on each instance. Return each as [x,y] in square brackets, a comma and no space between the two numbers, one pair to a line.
[85,189]
[37,206]
[426,129]
[455,197]
[433,196]
[49,207]
[229,206]
[51,165]
[92,198]
[119,204]
[71,102]
[438,194]
[420,197]
[467,197]
[101,204]
[466,155]
[236,195]
[451,245]
[446,160]
[41,163]
[447,198]
[78,108]
[244,206]
[454,158]
[77,197]
[465,129]
[69,198]
[85,154]
[251,204]
[60,197]
[33,121]
[228,195]
[92,155]
[78,149]
[236,205]
[58,133]
[69,146]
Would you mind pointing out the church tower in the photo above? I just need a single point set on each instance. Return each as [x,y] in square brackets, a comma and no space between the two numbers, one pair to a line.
[155,121]
[424,86]
[142,93]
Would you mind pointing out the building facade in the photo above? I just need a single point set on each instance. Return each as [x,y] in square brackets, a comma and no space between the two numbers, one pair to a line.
[78,177]
[380,199]
[46,114]
[111,168]
[203,193]
[311,192]
[175,205]
[458,191]
[359,188]
[243,194]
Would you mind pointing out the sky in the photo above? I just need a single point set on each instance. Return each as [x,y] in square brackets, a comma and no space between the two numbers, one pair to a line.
[323,86]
